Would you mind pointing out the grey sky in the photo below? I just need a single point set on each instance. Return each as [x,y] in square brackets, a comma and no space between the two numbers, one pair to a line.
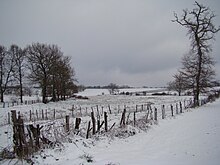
[129,42]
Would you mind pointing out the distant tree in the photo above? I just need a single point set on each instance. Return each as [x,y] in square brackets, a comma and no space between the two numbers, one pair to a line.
[178,84]
[6,68]
[201,31]
[113,88]
[19,67]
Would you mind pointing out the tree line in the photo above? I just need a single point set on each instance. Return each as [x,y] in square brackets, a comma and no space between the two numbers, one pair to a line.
[42,64]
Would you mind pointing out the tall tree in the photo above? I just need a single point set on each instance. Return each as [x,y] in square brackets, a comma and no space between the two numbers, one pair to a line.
[201,31]
[39,59]
[6,68]
[51,69]
[18,71]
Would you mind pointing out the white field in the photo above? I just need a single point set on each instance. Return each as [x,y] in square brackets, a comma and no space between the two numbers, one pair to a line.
[188,138]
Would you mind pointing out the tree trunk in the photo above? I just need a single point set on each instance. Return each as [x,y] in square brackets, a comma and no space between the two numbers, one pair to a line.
[2,96]
[197,92]
[44,93]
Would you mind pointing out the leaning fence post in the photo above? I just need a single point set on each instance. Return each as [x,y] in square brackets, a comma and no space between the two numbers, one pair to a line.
[93,123]
[67,123]
[106,121]
[123,118]
[77,123]
[88,130]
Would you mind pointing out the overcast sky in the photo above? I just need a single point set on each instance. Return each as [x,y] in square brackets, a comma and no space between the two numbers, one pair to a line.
[130,42]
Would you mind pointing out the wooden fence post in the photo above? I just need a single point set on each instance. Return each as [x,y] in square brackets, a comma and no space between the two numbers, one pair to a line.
[171,107]
[54,114]
[30,115]
[46,114]
[106,121]
[37,114]
[155,114]
[134,118]
[77,123]
[42,111]
[109,108]
[88,130]
[177,108]
[93,123]
[67,123]
[123,118]
[163,111]
[181,108]
[9,121]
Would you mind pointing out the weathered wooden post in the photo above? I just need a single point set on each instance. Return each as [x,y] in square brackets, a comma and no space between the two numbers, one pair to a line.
[155,114]
[80,109]
[54,114]
[67,123]
[46,114]
[77,123]
[171,107]
[181,108]
[123,118]
[163,112]
[42,111]
[109,108]
[134,118]
[37,114]
[106,121]
[93,123]
[88,130]
[177,108]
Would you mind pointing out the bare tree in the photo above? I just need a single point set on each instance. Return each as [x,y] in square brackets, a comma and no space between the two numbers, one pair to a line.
[51,69]
[6,68]
[201,30]
[40,63]
[178,83]
[113,88]
[18,71]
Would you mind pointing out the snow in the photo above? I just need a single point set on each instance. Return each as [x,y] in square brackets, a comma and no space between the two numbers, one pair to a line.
[189,138]
[192,138]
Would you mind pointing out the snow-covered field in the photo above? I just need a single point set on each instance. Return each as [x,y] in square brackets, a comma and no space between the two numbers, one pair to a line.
[188,138]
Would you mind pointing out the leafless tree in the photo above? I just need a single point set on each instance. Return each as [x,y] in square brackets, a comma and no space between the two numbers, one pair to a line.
[113,88]
[19,68]
[51,69]
[178,83]
[201,31]
[6,68]
[40,64]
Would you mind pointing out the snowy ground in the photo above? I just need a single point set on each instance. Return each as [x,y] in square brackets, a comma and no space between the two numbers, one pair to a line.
[191,138]
[188,138]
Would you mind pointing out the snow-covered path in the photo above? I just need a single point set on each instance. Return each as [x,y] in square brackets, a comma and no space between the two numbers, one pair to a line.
[192,138]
